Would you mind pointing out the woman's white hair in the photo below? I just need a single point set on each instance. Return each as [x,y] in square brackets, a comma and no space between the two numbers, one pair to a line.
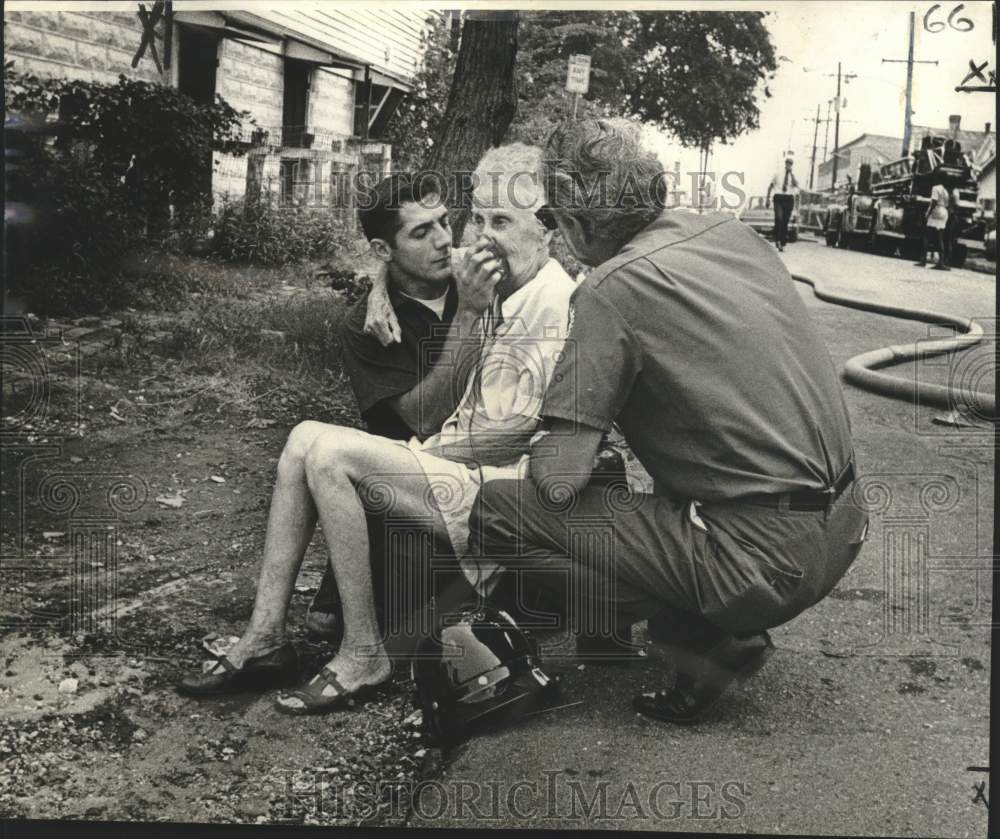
[515,175]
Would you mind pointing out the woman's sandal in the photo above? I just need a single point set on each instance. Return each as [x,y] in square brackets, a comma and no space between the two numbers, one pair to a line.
[278,668]
[314,702]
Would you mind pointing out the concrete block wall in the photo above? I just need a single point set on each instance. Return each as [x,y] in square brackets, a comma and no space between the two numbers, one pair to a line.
[249,79]
[331,111]
[229,181]
[252,79]
[90,46]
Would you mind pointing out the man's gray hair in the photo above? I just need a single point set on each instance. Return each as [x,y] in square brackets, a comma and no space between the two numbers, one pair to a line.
[602,172]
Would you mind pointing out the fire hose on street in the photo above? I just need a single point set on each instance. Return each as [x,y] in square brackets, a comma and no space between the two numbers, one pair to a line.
[863,370]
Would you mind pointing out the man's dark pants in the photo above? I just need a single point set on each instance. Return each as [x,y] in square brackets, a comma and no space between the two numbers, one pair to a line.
[627,557]
[935,241]
[783,205]
[950,238]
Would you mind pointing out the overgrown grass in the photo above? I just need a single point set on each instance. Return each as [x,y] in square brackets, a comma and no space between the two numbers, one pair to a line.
[233,333]
[300,333]
[160,280]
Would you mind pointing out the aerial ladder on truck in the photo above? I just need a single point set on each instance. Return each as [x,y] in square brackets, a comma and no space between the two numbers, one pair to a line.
[886,212]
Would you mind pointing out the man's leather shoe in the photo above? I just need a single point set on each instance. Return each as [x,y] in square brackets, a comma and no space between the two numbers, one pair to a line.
[278,668]
[693,695]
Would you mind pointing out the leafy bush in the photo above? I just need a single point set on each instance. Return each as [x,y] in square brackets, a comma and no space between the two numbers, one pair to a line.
[153,140]
[264,234]
[349,284]
[97,169]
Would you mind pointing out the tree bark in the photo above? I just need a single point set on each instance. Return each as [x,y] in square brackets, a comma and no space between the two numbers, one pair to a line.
[481,105]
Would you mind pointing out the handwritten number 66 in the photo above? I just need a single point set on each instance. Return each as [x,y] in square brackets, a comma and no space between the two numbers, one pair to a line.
[962,24]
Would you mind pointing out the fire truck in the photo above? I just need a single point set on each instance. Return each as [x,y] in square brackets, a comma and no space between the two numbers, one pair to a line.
[886,211]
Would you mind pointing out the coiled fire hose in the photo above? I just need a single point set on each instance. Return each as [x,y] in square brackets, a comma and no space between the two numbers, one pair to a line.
[862,370]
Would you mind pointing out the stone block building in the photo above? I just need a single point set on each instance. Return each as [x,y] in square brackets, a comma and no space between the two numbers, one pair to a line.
[320,80]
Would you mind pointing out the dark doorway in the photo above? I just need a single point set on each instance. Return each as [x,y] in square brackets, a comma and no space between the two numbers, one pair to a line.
[293,118]
[197,61]
[196,64]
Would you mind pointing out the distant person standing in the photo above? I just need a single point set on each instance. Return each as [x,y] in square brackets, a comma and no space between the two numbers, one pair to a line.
[935,223]
[951,228]
[784,186]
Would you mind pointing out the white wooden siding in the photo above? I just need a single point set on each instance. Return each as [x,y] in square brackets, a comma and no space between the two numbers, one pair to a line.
[362,33]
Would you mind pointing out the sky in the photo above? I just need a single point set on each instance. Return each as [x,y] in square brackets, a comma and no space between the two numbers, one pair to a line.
[811,37]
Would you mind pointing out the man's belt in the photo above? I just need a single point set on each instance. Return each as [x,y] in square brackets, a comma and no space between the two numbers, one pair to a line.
[809,499]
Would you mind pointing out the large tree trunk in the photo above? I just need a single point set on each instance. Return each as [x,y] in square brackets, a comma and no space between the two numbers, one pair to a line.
[481,105]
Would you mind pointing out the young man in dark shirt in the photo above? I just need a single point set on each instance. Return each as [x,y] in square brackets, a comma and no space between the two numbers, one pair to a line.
[405,389]
[388,377]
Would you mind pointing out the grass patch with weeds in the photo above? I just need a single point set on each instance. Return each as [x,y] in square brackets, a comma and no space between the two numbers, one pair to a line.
[299,334]
[237,340]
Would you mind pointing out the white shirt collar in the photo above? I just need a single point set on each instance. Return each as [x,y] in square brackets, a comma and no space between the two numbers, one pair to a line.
[549,271]
[436,304]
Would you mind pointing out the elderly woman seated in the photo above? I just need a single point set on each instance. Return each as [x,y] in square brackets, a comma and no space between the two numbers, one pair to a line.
[349,472]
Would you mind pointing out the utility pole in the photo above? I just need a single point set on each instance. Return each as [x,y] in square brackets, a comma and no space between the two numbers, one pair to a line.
[836,124]
[826,131]
[812,160]
[908,117]
[836,131]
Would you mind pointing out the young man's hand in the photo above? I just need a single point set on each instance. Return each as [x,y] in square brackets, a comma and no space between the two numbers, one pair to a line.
[380,318]
[476,276]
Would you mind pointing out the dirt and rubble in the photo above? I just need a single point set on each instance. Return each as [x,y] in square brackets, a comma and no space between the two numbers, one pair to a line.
[91,727]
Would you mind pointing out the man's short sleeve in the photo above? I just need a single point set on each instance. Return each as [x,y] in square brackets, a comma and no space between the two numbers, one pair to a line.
[377,372]
[600,361]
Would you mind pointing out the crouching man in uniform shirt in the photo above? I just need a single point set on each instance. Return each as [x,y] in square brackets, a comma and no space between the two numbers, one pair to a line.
[689,333]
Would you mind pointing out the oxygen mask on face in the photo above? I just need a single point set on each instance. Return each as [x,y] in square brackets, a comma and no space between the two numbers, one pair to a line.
[503,286]
[499,255]
[493,317]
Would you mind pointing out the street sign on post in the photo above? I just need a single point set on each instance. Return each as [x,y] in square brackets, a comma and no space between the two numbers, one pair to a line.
[578,77]
[578,74]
